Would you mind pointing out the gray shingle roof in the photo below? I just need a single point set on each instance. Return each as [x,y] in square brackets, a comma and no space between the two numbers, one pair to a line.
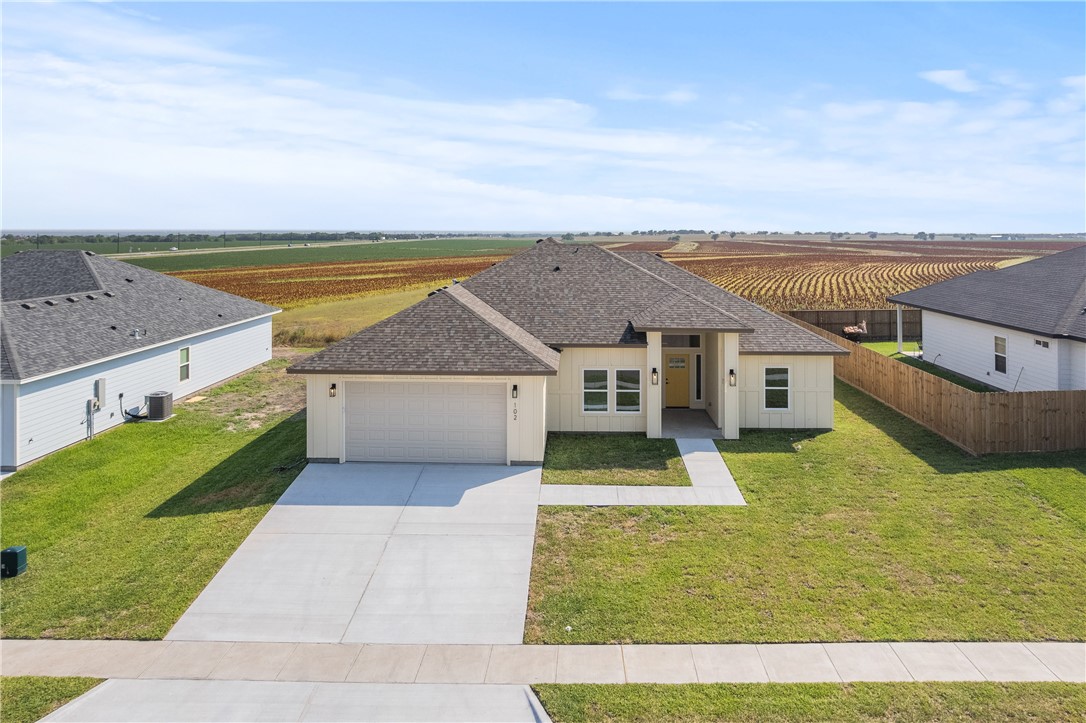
[109,299]
[771,335]
[449,332]
[506,319]
[1046,296]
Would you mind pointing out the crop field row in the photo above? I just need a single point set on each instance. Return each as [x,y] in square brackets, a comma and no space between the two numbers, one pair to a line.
[783,282]
[295,285]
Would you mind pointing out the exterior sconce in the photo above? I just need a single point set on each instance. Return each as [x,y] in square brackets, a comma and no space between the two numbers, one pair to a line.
[514,391]
[731,377]
[332,389]
[655,376]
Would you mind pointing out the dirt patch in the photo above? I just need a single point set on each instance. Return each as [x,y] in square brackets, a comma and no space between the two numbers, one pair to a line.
[252,398]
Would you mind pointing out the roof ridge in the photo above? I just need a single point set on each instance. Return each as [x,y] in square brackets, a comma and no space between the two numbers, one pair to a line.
[456,291]
[673,286]
[756,305]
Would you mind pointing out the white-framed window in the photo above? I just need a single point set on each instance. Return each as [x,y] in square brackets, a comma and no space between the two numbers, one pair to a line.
[184,364]
[777,391]
[594,391]
[1001,354]
[628,391]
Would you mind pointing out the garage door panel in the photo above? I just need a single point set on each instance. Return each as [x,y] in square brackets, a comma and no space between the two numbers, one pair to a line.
[426,421]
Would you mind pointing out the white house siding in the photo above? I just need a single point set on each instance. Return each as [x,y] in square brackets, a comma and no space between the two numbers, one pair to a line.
[53,410]
[526,415]
[564,408]
[8,430]
[1072,362]
[811,386]
[968,348]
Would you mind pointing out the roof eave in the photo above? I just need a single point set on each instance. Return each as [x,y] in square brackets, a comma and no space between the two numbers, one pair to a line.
[424,373]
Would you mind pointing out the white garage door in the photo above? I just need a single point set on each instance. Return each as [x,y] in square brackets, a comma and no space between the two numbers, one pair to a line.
[426,422]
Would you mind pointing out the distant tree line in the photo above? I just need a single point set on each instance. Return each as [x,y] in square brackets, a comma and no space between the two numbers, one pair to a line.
[205,238]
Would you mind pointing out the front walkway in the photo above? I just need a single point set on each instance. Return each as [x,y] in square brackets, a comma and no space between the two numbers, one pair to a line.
[380,553]
[711,482]
[528,664]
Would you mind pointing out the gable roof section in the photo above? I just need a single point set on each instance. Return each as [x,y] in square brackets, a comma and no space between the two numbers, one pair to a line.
[772,334]
[1046,296]
[44,332]
[449,332]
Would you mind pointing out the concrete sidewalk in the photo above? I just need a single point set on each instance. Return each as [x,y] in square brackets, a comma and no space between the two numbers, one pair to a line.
[526,664]
[711,481]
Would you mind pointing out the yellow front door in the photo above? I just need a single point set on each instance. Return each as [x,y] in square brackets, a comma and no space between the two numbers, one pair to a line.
[677,380]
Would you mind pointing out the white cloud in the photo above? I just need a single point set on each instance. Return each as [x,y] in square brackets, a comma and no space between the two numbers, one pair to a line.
[677,96]
[955,80]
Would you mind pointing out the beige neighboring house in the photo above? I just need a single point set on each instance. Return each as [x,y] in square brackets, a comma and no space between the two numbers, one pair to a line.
[561,338]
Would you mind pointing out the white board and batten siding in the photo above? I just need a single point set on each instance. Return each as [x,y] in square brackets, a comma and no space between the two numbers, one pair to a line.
[52,411]
[565,411]
[394,418]
[810,387]
[967,347]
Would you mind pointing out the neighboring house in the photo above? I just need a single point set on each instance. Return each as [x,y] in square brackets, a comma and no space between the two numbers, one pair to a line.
[1022,328]
[570,338]
[83,339]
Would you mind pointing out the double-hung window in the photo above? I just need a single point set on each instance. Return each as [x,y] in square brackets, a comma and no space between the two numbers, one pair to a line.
[184,367]
[777,392]
[628,391]
[594,390]
[1001,354]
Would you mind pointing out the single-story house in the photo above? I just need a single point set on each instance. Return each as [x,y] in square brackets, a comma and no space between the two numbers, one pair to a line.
[570,338]
[1020,328]
[84,339]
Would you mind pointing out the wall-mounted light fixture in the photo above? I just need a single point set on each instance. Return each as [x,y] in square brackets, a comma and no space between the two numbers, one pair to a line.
[332,389]
[731,377]
[514,391]
[655,376]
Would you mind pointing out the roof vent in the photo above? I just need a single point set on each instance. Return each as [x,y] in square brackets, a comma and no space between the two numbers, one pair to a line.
[89,253]
[539,241]
[220,316]
[50,302]
[129,280]
[138,333]
[109,294]
[72,299]
[113,328]
[557,268]
[28,306]
[456,281]
[92,297]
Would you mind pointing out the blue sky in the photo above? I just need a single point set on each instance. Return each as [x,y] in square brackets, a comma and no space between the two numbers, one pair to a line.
[546,117]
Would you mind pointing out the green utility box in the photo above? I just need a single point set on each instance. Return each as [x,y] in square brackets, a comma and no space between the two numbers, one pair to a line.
[13,561]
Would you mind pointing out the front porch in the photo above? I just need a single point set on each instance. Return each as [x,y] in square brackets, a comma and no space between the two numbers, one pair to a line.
[693,388]
[688,424]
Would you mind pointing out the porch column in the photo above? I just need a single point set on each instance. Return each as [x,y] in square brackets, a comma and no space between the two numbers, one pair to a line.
[654,403]
[730,408]
[899,332]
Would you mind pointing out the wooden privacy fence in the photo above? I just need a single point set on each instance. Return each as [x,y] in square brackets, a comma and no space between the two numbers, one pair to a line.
[881,323]
[978,422]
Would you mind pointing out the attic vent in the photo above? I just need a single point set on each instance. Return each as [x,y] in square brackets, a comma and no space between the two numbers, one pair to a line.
[92,297]
[539,241]
[129,280]
[220,316]
[113,328]
[89,253]
[50,302]
[72,299]
[557,268]
[28,306]
[109,294]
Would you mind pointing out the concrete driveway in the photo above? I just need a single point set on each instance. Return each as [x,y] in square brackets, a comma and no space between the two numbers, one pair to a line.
[380,553]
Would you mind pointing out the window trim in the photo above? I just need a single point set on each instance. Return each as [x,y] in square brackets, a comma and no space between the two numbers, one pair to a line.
[606,391]
[184,369]
[995,346]
[639,392]
[788,388]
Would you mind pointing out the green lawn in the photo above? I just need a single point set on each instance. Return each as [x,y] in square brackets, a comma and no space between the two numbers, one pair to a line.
[880,530]
[27,699]
[612,459]
[889,348]
[757,702]
[124,531]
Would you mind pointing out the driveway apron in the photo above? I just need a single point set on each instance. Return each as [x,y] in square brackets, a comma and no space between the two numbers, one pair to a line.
[380,553]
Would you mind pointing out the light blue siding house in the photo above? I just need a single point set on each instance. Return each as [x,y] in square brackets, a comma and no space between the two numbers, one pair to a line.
[84,340]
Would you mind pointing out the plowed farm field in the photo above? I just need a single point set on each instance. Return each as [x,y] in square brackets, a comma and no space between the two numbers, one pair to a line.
[295,285]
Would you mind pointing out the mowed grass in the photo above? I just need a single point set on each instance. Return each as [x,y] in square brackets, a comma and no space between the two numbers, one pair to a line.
[795,703]
[124,531]
[28,699]
[321,324]
[431,248]
[889,348]
[612,459]
[879,530]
